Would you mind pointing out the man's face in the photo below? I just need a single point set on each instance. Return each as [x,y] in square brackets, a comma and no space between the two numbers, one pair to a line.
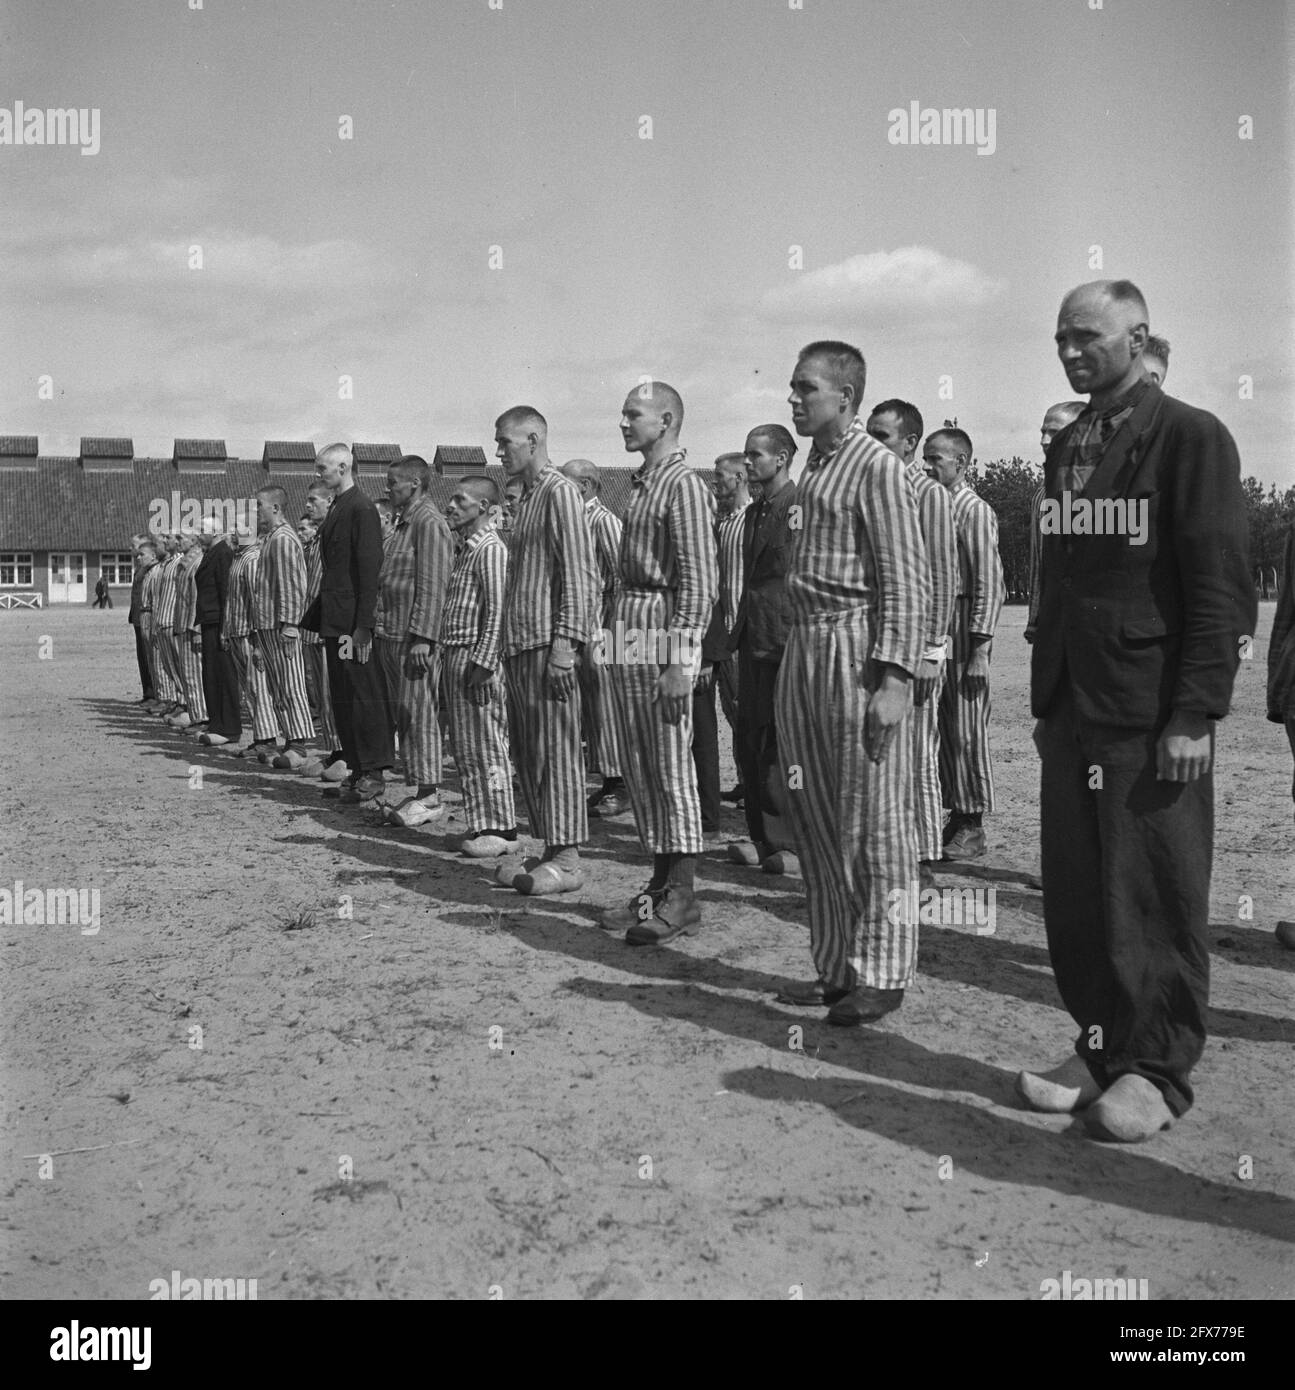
[206,539]
[886,429]
[1053,423]
[815,398]
[305,530]
[514,448]
[317,504]
[943,461]
[399,490]
[187,541]
[1094,342]
[761,460]
[726,481]
[463,509]
[1155,367]
[331,473]
[512,499]
[266,515]
[641,423]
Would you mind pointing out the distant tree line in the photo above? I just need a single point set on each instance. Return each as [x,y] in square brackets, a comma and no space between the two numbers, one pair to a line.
[1008,485]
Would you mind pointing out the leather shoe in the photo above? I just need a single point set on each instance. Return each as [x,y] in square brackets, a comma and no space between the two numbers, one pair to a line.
[864,1005]
[816,992]
[677,914]
[1130,1110]
[1286,934]
[640,908]
[1060,1091]
[967,843]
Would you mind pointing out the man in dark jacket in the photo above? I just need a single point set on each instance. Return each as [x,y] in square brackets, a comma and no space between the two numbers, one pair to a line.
[350,541]
[219,676]
[145,559]
[1146,600]
[1281,675]
[759,634]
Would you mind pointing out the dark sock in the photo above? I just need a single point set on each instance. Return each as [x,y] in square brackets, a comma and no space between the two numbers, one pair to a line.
[611,784]
[427,789]
[660,872]
[974,818]
[683,872]
[565,856]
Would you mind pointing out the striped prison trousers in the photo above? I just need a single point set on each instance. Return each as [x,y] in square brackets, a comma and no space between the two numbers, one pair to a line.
[544,736]
[966,768]
[656,757]
[256,692]
[190,668]
[168,686]
[479,737]
[413,710]
[852,819]
[597,716]
[927,807]
[312,654]
[285,674]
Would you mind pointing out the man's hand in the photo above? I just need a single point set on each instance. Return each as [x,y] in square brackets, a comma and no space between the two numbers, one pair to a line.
[1183,751]
[928,672]
[560,672]
[361,644]
[975,678]
[705,677]
[289,632]
[418,659]
[672,694]
[887,707]
[257,659]
[195,641]
[477,681]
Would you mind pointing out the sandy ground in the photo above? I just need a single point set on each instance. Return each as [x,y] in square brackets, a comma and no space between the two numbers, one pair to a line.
[644,1126]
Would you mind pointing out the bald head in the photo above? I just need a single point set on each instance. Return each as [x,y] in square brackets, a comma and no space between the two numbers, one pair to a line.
[336,455]
[651,419]
[1056,418]
[523,419]
[584,474]
[1101,332]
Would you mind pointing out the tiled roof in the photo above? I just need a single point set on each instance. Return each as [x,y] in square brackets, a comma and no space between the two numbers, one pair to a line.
[284,450]
[93,447]
[19,445]
[376,453]
[200,449]
[62,506]
[459,456]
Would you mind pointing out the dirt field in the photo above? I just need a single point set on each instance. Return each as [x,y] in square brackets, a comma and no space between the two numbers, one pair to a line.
[885,1162]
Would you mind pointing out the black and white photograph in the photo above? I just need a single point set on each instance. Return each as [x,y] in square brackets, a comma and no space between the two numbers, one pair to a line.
[647,653]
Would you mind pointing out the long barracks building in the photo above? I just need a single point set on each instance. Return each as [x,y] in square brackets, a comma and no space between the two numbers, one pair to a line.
[64,521]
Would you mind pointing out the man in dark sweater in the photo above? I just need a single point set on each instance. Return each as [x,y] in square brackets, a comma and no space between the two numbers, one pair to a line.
[219,677]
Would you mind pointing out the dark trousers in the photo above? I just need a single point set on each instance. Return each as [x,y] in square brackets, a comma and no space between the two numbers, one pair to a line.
[145,670]
[705,755]
[220,686]
[755,738]
[1126,893]
[360,710]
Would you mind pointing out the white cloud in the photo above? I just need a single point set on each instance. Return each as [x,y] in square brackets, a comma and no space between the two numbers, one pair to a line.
[911,283]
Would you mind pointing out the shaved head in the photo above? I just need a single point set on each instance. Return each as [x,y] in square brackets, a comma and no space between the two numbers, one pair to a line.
[843,363]
[319,488]
[1121,295]
[732,463]
[482,488]
[338,455]
[1057,418]
[583,470]
[524,419]
[413,469]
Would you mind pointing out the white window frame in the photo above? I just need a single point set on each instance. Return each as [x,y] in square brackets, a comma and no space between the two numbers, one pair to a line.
[17,560]
[120,561]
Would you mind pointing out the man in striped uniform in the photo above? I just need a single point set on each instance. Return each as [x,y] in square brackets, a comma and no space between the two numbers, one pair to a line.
[1054,421]
[759,636]
[328,763]
[667,593]
[134,615]
[472,688]
[732,503]
[143,591]
[513,490]
[966,768]
[859,598]
[188,637]
[549,612]
[415,573]
[898,425]
[595,684]
[162,610]
[277,609]
[236,638]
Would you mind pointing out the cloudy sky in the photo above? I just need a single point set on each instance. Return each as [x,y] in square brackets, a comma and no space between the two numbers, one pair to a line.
[499,230]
